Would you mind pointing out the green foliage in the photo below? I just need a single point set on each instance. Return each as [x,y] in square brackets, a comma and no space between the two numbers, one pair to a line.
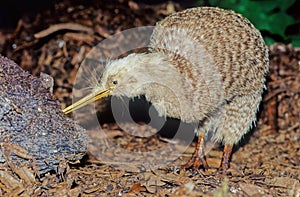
[267,15]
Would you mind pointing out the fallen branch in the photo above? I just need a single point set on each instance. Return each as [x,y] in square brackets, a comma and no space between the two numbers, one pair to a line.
[63,26]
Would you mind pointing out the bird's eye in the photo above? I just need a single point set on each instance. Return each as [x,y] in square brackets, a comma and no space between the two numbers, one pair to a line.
[115,82]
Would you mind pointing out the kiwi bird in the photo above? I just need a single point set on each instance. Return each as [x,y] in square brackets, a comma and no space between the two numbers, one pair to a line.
[204,64]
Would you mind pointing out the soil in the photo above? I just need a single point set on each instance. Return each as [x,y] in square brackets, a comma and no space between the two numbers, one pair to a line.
[56,40]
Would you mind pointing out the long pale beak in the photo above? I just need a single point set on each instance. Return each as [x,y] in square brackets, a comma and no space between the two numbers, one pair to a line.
[87,100]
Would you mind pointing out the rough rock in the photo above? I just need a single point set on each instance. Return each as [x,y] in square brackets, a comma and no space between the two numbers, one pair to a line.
[31,118]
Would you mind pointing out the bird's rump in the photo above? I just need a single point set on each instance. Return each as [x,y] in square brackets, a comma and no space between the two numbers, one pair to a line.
[226,46]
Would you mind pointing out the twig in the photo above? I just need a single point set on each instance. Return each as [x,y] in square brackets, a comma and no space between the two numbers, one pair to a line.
[63,26]
[273,93]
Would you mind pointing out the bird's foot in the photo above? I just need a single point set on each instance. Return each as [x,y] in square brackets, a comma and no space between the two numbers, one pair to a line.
[225,159]
[195,162]
[198,158]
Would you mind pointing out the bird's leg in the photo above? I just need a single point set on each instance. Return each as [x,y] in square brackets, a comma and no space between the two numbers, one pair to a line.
[225,158]
[198,157]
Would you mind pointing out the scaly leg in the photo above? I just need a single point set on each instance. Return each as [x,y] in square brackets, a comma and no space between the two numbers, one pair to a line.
[225,158]
[198,157]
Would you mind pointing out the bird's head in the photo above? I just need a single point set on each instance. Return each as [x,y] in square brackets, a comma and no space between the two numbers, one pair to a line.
[125,77]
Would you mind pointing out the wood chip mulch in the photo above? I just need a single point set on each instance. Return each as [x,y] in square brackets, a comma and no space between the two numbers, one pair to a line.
[55,41]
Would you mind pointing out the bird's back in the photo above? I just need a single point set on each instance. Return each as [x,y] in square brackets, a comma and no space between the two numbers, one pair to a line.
[230,46]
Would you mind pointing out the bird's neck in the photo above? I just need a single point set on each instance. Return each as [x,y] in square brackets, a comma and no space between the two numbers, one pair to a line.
[163,85]
[157,68]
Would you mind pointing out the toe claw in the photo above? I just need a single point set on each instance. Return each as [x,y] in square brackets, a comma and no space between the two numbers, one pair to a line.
[198,158]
